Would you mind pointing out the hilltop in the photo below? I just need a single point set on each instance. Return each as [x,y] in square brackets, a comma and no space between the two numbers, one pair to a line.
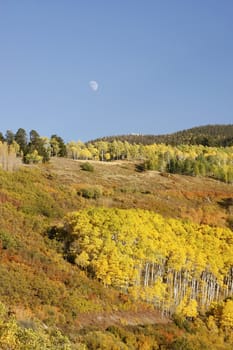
[207,135]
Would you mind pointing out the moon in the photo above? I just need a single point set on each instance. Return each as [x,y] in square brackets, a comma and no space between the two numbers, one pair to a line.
[93,85]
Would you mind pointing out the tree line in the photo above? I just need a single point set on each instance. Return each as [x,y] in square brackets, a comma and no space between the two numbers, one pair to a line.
[193,160]
[32,148]
[208,135]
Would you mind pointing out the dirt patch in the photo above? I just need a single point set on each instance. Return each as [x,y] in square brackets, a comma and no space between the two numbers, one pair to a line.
[121,318]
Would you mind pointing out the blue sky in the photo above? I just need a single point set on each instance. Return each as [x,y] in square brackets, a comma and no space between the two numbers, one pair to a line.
[161,66]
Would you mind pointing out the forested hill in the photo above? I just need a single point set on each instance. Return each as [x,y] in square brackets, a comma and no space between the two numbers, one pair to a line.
[208,135]
[107,257]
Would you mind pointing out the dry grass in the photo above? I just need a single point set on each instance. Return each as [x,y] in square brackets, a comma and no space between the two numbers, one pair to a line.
[193,198]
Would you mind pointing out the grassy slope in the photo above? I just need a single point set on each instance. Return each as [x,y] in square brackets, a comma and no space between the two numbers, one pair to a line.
[37,282]
[194,198]
[35,279]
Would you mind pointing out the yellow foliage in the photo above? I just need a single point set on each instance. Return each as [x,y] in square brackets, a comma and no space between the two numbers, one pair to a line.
[227,314]
[82,259]
[187,308]
[164,257]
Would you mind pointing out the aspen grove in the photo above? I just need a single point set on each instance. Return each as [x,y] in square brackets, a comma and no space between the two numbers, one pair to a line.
[178,266]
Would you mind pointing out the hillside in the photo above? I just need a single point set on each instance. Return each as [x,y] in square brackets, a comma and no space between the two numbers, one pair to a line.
[43,291]
[208,135]
[198,199]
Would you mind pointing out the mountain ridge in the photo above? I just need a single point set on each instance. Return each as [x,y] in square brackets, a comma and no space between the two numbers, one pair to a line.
[207,135]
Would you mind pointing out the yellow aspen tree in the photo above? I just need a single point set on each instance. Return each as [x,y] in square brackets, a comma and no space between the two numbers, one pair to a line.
[227,315]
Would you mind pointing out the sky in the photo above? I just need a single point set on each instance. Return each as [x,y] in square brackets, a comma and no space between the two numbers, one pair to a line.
[84,69]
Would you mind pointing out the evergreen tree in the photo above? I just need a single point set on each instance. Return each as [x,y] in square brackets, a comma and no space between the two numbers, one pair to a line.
[9,137]
[21,139]
[2,139]
[34,137]
[36,144]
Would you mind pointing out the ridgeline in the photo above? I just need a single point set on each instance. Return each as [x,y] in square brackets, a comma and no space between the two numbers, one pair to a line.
[208,135]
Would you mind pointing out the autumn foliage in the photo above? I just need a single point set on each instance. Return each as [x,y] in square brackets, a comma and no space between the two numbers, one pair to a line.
[79,247]
[178,266]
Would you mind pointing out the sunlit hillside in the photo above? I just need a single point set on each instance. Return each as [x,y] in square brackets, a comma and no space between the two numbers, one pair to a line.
[65,286]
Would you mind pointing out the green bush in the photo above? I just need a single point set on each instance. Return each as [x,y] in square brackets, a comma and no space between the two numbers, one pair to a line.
[87,167]
[7,241]
[92,192]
